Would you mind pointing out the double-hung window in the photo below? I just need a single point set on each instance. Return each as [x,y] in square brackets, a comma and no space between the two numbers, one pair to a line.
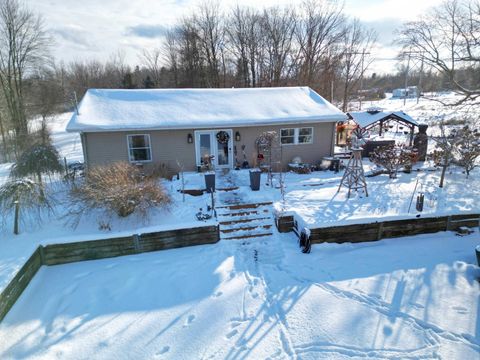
[139,148]
[295,136]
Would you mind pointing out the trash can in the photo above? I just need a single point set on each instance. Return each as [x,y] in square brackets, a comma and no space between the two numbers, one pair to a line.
[255,179]
[210,182]
[477,251]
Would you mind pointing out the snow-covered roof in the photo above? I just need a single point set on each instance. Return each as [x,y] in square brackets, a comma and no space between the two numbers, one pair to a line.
[116,110]
[365,119]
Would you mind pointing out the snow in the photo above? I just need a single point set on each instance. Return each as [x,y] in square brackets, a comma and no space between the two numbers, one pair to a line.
[116,110]
[409,298]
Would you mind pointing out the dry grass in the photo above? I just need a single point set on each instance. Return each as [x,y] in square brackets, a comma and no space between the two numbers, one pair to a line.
[120,188]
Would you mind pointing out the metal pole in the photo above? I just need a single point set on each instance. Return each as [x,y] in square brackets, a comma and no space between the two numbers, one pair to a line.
[406,80]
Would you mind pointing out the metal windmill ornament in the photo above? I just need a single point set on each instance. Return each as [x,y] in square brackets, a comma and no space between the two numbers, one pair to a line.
[354,176]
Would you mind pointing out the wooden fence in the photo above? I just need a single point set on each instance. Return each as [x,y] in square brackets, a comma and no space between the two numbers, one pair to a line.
[57,254]
[383,229]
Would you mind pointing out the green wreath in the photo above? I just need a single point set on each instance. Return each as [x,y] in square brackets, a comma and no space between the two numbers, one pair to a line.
[223,137]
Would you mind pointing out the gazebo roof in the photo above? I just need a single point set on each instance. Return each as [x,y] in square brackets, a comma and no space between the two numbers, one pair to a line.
[367,119]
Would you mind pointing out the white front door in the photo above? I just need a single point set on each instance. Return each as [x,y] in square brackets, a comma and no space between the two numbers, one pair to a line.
[212,143]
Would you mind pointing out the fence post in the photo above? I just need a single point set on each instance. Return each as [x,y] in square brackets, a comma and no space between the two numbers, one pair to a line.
[380,230]
[449,219]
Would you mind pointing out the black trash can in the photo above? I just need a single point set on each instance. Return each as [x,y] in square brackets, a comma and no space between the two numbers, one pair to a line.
[255,176]
[210,182]
[477,251]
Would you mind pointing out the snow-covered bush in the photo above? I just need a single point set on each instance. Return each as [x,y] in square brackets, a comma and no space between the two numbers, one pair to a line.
[393,157]
[22,196]
[119,188]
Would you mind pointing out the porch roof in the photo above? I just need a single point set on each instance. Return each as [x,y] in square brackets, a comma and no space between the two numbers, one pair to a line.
[159,109]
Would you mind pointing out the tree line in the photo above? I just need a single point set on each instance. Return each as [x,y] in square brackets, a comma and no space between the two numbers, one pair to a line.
[313,44]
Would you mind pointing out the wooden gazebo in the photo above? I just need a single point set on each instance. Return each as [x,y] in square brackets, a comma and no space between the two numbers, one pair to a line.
[375,117]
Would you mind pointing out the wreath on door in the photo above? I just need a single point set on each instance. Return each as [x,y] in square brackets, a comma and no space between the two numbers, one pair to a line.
[223,137]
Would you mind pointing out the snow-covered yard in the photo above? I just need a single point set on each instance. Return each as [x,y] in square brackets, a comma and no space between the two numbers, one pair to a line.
[408,298]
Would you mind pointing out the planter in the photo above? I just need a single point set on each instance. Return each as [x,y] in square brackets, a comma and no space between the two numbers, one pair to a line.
[255,176]
[210,182]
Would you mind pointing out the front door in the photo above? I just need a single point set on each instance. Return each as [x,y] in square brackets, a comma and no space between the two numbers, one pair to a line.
[215,143]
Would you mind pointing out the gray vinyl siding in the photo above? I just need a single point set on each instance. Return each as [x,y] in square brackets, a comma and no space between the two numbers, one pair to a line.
[170,146]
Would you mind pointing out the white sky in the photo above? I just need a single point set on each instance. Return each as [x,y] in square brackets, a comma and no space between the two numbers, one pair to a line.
[98,28]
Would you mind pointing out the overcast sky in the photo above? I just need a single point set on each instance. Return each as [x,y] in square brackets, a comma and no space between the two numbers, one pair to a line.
[98,28]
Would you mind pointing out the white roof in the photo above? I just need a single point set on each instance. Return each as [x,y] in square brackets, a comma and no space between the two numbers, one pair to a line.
[365,118]
[116,110]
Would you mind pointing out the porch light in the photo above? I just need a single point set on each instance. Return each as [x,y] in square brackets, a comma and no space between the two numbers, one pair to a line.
[189,138]
[237,136]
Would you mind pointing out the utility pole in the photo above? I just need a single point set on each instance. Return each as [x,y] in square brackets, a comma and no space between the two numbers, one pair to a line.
[362,70]
[406,80]
[420,81]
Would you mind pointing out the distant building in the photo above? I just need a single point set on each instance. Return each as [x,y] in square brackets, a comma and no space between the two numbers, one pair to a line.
[410,92]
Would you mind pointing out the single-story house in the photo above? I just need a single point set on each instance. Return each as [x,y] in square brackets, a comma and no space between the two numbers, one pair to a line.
[172,126]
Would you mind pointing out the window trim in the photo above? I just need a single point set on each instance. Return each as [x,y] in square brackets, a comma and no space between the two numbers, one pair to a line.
[129,149]
[296,136]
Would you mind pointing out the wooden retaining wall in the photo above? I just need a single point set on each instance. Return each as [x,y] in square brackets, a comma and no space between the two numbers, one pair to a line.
[57,254]
[391,229]
[381,230]
[14,289]
[285,223]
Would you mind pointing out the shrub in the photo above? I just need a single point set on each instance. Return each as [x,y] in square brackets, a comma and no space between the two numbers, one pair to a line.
[22,195]
[119,188]
[393,157]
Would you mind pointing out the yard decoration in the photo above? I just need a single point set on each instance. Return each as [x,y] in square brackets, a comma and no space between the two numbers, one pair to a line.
[354,176]
[269,152]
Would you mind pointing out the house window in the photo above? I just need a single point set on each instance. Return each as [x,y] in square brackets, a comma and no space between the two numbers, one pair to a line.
[139,149]
[296,136]
[305,135]
[287,136]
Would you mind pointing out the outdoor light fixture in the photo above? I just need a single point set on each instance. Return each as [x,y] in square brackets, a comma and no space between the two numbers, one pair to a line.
[189,138]
[237,136]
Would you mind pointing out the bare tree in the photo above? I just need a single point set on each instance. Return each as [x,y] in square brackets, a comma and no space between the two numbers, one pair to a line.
[320,30]
[447,38]
[357,43]
[210,28]
[278,28]
[23,46]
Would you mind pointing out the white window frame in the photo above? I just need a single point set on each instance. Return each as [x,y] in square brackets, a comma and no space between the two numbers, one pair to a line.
[296,136]
[129,148]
